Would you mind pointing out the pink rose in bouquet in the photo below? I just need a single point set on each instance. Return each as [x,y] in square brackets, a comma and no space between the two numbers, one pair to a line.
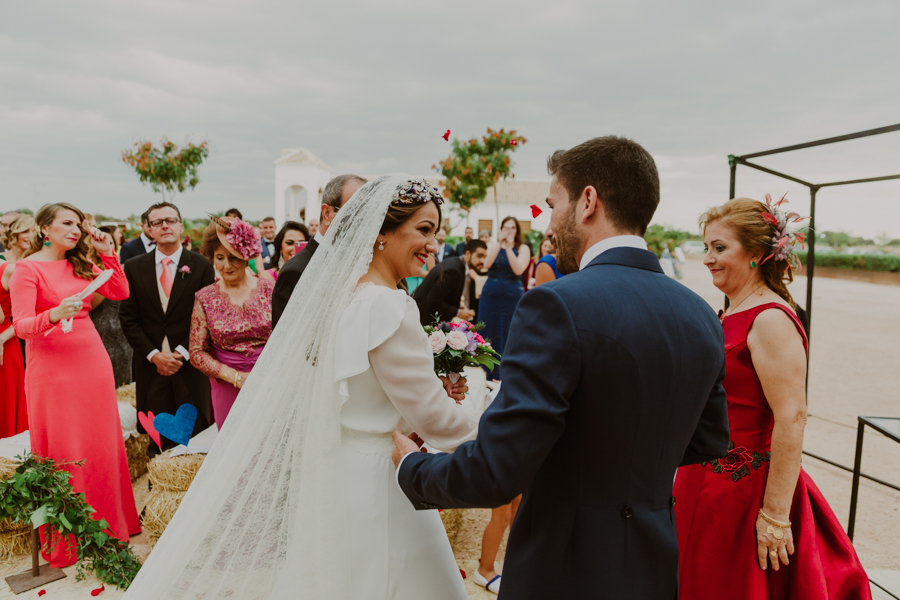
[457,340]
[438,342]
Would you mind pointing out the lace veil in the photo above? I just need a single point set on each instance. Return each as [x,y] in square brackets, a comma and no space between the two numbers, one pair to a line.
[264,517]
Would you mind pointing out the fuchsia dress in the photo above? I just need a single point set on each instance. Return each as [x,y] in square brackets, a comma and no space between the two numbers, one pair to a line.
[223,334]
[718,502]
[72,408]
[13,414]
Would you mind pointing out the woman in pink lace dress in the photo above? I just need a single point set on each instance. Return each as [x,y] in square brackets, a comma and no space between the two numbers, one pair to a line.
[232,318]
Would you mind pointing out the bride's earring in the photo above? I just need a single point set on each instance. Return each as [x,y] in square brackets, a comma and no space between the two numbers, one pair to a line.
[381,245]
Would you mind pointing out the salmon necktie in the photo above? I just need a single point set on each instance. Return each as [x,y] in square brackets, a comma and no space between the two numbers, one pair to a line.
[165,278]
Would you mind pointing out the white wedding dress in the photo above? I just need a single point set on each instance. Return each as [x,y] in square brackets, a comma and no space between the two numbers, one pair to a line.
[385,372]
[297,497]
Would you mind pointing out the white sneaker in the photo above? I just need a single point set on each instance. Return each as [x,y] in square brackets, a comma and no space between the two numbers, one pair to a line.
[492,586]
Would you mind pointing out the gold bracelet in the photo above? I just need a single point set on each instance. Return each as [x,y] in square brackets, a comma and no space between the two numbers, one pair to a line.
[773,521]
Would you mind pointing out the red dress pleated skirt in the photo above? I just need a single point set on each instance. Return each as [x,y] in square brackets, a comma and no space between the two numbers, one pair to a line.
[717,506]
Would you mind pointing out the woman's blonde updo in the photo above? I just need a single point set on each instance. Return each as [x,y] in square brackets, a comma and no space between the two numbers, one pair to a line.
[21,224]
[78,255]
[744,217]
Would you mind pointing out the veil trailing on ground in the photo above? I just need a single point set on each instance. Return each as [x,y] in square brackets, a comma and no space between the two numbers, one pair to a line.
[264,517]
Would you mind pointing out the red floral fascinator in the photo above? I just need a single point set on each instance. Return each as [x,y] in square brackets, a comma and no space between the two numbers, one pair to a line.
[238,237]
[783,239]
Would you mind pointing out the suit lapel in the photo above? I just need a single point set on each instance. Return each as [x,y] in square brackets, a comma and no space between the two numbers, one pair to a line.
[180,281]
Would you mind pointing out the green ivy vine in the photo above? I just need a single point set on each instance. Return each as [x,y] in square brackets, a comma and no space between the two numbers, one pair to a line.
[40,493]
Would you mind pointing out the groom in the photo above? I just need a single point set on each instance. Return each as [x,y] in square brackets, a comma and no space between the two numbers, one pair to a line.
[612,379]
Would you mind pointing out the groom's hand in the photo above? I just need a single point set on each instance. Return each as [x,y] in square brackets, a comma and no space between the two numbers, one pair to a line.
[403,446]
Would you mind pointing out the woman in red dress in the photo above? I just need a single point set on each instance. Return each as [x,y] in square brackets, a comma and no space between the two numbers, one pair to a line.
[13,410]
[753,525]
[73,414]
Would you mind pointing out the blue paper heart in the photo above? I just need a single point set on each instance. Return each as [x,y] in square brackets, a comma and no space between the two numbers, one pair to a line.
[177,427]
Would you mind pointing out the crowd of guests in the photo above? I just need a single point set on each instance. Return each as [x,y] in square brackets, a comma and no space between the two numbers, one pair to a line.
[188,328]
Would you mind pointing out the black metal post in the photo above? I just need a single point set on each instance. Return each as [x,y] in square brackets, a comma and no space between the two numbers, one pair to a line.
[811,258]
[857,465]
[732,162]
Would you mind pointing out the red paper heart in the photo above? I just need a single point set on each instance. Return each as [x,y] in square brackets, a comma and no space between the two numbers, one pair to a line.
[147,422]
[535,211]
[98,590]
[446,136]
[463,573]
[42,592]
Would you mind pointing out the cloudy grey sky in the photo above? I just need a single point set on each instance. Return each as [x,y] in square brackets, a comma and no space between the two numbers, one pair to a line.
[370,87]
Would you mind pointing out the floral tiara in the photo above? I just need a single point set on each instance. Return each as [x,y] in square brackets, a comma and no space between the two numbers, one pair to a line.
[414,190]
[783,240]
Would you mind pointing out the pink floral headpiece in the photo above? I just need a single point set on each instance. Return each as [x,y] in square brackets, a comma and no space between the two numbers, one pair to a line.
[783,240]
[237,237]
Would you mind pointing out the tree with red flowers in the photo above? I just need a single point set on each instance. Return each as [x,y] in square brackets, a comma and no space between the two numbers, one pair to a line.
[167,167]
[474,166]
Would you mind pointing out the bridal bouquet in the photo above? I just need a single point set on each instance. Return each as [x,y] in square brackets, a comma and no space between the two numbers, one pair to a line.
[458,345]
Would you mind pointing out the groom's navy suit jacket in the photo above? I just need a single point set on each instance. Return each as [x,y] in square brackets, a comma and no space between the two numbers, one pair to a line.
[612,378]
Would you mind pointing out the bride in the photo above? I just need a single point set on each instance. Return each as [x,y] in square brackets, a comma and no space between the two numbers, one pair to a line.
[297,497]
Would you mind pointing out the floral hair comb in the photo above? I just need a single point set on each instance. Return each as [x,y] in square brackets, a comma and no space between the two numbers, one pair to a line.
[417,191]
[783,240]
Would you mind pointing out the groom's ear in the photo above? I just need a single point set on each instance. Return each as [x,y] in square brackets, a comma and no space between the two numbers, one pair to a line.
[590,205]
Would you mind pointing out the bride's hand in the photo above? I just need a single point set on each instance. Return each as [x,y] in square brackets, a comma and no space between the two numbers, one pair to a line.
[457,390]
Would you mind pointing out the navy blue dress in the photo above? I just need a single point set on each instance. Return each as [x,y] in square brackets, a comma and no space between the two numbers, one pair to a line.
[499,298]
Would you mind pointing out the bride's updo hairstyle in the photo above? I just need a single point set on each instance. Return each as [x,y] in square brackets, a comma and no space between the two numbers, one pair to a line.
[744,217]
[408,199]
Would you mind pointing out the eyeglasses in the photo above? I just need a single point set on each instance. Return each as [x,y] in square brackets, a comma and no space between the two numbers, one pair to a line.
[170,221]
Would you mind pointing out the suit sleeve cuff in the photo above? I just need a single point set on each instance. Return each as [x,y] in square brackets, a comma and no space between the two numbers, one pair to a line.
[152,354]
[181,350]
[399,466]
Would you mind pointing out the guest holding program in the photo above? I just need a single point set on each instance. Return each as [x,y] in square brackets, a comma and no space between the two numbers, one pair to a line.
[232,318]
[73,412]
[753,525]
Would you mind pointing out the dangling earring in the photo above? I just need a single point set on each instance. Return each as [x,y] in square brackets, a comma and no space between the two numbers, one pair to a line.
[47,240]
[381,245]
[752,264]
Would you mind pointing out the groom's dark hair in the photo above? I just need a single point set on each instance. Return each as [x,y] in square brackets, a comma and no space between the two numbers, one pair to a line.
[621,170]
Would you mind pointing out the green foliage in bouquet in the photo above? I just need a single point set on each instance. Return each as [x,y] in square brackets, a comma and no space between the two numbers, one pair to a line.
[40,493]
[167,167]
[458,345]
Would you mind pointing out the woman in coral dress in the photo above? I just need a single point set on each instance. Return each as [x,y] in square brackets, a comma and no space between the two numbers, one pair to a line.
[73,413]
[232,318]
[752,525]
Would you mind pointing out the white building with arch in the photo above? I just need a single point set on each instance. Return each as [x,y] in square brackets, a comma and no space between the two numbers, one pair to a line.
[300,178]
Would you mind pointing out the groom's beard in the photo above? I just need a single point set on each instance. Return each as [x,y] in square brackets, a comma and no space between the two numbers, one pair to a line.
[567,242]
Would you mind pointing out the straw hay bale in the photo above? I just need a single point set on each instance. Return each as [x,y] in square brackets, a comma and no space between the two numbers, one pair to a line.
[136,452]
[127,393]
[170,476]
[174,473]
[15,538]
[158,512]
[452,519]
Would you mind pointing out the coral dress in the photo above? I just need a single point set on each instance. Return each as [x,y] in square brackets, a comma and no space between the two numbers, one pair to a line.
[13,414]
[73,412]
[717,505]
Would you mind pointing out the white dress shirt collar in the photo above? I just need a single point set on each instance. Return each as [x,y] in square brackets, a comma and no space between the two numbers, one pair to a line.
[148,242]
[176,256]
[616,241]
[319,237]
